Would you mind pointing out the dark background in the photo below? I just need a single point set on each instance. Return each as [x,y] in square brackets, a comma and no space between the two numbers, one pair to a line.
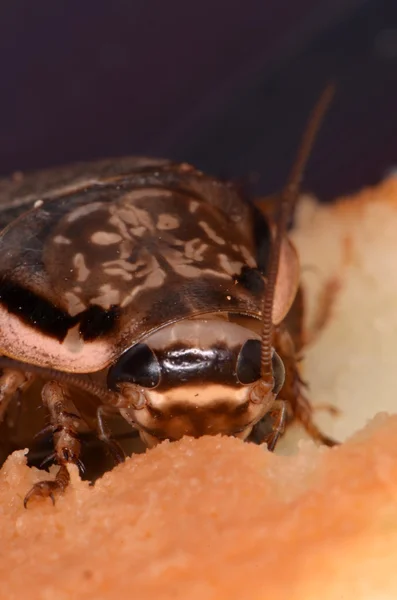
[224,84]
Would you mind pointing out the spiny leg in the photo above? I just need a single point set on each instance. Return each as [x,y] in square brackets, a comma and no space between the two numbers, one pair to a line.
[64,425]
[279,415]
[303,412]
[270,427]
[301,409]
[324,310]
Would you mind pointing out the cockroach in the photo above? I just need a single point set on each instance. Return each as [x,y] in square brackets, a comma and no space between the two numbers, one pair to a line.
[159,291]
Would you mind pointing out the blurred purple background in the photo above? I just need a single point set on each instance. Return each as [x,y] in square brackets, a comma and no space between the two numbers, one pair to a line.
[227,85]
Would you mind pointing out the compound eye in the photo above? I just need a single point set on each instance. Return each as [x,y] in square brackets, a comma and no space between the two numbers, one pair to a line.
[138,365]
[249,362]
[249,365]
[278,373]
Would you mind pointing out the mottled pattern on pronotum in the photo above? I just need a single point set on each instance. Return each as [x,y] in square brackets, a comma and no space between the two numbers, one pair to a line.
[156,289]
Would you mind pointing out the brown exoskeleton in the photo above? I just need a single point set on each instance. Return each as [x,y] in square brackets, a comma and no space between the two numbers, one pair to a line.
[159,291]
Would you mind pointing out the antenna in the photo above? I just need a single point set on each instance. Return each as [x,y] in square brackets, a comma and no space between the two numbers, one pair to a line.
[69,378]
[287,203]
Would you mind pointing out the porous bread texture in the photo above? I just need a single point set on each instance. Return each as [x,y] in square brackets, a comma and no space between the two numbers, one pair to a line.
[211,519]
[353,362]
[215,518]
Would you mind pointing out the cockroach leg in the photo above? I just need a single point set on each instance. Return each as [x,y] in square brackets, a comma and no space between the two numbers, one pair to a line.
[271,427]
[65,423]
[303,412]
[48,488]
[334,411]
[324,310]
[278,415]
[300,408]
[104,433]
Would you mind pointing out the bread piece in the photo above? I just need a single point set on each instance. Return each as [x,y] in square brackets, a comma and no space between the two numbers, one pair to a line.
[211,519]
[353,362]
[215,518]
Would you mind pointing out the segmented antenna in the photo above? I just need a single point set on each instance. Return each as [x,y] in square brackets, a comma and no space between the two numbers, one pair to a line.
[287,203]
[69,378]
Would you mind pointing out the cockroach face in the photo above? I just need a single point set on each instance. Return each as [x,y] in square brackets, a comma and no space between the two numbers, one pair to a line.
[139,270]
[195,377]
